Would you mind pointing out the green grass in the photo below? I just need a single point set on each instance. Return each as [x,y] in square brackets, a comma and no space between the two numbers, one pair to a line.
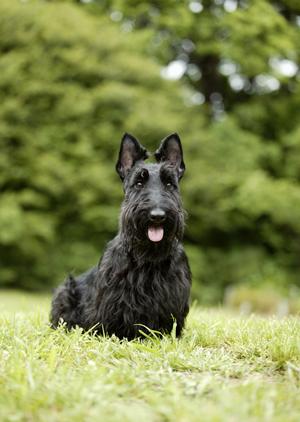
[225,368]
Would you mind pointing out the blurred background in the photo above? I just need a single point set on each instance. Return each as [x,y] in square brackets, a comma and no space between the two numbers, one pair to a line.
[224,74]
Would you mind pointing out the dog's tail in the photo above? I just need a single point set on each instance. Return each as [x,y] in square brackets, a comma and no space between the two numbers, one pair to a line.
[65,303]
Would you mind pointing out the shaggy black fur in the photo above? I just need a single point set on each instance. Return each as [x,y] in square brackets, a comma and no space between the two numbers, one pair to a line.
[138,282]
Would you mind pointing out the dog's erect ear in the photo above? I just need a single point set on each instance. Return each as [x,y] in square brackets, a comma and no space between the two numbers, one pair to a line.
[170,150]
[131,151]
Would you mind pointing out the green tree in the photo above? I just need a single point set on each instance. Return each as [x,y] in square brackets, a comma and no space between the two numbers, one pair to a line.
[70,86]
[240,63]
[76,75]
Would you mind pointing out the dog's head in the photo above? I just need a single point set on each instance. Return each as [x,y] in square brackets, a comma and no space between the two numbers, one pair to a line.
[152,210]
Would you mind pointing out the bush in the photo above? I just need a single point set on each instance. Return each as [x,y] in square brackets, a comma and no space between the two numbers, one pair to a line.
[70,86]
[72,82]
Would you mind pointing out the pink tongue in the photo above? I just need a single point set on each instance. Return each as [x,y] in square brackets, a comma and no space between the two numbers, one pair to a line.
[155,234]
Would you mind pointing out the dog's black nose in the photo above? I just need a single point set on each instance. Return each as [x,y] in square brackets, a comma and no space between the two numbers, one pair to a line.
[157,215]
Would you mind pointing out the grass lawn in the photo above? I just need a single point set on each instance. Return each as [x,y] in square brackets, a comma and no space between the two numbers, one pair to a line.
[224,368]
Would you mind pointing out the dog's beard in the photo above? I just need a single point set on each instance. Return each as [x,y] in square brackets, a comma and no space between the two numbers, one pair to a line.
[149,241]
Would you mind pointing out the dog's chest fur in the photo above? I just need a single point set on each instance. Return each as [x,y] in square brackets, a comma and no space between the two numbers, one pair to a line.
[124,297]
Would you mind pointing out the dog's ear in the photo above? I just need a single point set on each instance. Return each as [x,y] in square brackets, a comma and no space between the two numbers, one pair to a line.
[170,150]
[131,151]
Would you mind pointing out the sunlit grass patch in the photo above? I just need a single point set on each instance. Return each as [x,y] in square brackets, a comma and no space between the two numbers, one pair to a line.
[15,301]
[224,368]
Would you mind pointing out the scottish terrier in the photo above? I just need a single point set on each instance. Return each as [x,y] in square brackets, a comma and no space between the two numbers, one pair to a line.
[143,278]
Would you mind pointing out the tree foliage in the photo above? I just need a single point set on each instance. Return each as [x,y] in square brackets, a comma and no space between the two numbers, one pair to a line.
[75,76]
[70,86]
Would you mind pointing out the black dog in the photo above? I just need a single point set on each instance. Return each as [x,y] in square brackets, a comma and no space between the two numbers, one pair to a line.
[143,278]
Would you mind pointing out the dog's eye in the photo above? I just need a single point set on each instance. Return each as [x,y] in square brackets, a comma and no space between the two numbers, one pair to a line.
[139,184]
[169,185]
